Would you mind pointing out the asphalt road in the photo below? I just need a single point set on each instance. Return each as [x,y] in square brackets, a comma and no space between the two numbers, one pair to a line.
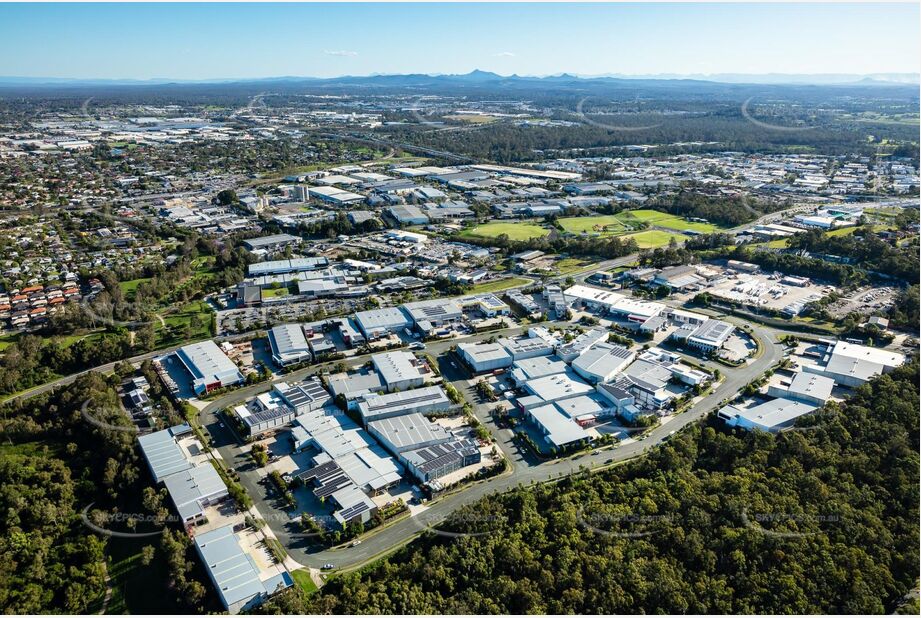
[525,468]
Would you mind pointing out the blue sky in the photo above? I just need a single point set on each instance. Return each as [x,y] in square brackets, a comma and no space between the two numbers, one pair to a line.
[200,41]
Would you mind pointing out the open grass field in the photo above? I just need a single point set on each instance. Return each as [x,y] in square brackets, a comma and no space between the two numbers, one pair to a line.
[498,285]
[662,219]
[571,265]
[515,231]
[130,287]
[178,325]
[604,225]
[652,239]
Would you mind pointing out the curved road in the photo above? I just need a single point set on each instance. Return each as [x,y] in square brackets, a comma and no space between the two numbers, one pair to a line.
[525,470]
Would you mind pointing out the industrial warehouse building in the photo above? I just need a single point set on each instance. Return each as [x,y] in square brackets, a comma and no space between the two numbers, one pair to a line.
[281,267]
[376,323]
[373,407]
[804,387]
[526,347]
[605,301]
[571,351]
[851,365]
[408,432]
[399,370]
[304,396]
[709,336]
[482,357]
[239,582]
[430,314]
[556,426]
[289,345]
[192,490]
[772,416]
[176,459]
[433,462]
[537,367]
[349,466]
[274,242]
[427,450]
[602,362]
[209,366]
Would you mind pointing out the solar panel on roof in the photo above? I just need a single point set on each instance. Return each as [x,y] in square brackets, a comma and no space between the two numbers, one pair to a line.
[352,511]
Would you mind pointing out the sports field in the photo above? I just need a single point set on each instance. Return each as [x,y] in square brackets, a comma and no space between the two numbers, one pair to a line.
[662,219]
[515,231]
[604,225]
[651,239]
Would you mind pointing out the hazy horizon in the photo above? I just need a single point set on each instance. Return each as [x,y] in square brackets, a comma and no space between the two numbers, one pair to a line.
[207,42]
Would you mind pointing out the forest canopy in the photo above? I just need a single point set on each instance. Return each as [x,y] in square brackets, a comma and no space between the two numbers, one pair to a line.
[820,520]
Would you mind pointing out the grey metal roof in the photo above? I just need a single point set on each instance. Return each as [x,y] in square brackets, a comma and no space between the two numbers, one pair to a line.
[712,332]
[303,393]
[207,363]
[603,359]
[163,455]
[538,367]
[287,339]
[409,401]
[388,318]
[776,413]
[355,384]
[233,572]
[268,241]
[811,385]
[395,367]
[561,430]
[432,458]
[189,488]
[409,431]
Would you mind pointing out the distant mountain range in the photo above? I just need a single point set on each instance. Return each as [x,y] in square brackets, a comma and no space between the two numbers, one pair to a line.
[486,78]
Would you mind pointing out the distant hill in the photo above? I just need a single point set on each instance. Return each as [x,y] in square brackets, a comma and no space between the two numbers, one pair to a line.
[487,77]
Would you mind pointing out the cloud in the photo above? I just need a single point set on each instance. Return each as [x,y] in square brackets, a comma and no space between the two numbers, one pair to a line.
[343,53]
[505,54]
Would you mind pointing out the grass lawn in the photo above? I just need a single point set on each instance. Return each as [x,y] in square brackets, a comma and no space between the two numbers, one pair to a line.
[302,579]
[651,239]
[274,292]
[602,224]
[498,285]
[129,287]
[178,322]
[8,340]
[571,265]
[69,340]
[662,219]
[780,243]
[515,231]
